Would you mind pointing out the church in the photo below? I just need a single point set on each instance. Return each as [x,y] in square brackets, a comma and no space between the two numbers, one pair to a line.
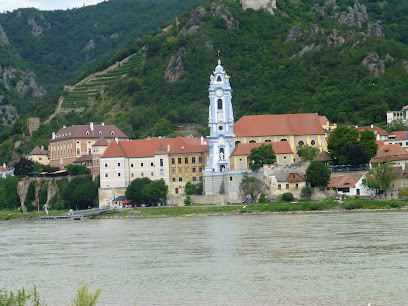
[230,144]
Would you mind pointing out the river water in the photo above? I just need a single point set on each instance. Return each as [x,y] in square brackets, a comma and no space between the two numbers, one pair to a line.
[280,259]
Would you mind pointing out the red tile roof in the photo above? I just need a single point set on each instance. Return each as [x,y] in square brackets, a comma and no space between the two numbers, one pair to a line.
[344,181]
[281,147]
[102,142]
[390,152]
[83,158]
[152,146]
[278,125]
[38,151]
[85,131]
[400,135]
[323,120]
[379,144]
[375,129]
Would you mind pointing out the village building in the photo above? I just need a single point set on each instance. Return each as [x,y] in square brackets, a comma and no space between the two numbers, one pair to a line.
[391,153]
[175,160]
[6,171]
[39,155]
[326,125]
[348,184]
[400,115]
[379,133]
[296,129]
[398,137]
[240,155]
[282,182]
[72,142]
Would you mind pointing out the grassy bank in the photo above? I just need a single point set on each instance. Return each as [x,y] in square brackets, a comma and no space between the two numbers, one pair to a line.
[306,206]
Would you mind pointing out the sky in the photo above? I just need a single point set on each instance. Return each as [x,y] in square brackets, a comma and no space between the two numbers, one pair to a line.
[10,5]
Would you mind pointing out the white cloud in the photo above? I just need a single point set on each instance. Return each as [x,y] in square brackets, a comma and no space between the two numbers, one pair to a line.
[7,5]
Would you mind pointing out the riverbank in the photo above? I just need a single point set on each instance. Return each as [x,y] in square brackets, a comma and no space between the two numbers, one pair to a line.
[327,206]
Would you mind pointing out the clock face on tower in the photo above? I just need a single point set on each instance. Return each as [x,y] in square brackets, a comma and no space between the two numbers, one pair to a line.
[219,92]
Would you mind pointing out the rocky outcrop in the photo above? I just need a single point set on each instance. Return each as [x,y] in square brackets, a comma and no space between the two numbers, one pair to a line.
[175,67]
[355,16]
[209,46]
[268,5]
[28,83]
[334,39]
[376,29]
[193,29]
[293,33]
[197,15]
[324,9]
[25,82]
[90,45]
[37,30]
[225,14]
[374,65]
[313,31]
[8,114]
[114,35]
[3,37]
[405,65]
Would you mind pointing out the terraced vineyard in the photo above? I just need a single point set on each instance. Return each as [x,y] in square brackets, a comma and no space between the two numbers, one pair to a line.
[84,94]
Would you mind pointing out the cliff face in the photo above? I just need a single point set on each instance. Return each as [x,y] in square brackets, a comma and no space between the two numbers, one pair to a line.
[268,5]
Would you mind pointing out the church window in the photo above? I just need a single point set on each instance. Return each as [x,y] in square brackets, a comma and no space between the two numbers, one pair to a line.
[118,174]
[106,175]
[220,127]
[313,142]
[152,164]
[219,104]
[267,140]
[219,79]
[252,141]
[237,143]
[283,139]
[301,143]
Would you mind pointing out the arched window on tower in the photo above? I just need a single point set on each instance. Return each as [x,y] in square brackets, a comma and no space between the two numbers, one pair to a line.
[221,153]
[219,79]
[219,104]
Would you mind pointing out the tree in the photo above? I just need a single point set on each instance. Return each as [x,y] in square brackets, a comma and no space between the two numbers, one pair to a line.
[191,188]
[85,195]
[367,142]
[357,155]
[69,194]
[307,152]
[287,197]
[379,177]
[318,174]
[23,166]
[340,142]
[77,169]
[134,191]
[262,155]
[397,125]
[155,191]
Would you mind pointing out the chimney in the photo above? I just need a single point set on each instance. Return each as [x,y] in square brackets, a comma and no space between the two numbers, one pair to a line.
[42,148]
[168,148]
[103,123]
[91,125]
[403,166]
[117,139]
[53,135]
[372,126]
[4,166]
[202,140]
[64,126]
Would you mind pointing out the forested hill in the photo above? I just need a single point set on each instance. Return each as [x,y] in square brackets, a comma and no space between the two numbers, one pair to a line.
[344,59]
[40,50]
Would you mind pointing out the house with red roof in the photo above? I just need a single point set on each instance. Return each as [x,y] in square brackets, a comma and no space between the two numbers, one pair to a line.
[39,155]
[398,137]
[295,129]
[240,160]
[391,153]
[379,133]
[348,184]
[175,160]
[70,143]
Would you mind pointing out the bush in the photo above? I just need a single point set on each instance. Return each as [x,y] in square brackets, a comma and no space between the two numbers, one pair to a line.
[187,200]
[287,197]
[306,193]
[352,205]
[262,198]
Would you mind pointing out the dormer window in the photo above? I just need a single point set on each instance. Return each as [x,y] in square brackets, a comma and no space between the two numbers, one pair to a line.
[100,133]
[112,133]
[87,133]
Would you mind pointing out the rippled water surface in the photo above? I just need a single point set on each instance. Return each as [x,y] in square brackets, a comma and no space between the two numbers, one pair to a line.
[306,259]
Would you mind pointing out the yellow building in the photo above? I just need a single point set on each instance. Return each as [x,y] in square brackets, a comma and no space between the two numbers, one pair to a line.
[240,160]
[39,155]
[296,129]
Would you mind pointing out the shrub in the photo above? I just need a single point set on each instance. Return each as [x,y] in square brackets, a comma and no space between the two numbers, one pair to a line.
[306,193]
[394,204]
[287,197]
[352,205]
[262,198]
[187,200]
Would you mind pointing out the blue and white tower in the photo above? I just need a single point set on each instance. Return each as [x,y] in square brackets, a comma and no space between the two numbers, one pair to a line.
[220,121]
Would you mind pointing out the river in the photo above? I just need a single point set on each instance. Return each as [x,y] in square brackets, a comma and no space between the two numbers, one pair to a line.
[277,259]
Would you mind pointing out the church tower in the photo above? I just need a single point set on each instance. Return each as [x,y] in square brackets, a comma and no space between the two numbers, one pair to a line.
[220,121]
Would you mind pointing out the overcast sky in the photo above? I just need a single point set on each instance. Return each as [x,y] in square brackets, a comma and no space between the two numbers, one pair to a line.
[10,5]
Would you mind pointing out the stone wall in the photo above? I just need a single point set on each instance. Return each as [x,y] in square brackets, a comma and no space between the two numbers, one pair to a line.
[33,124]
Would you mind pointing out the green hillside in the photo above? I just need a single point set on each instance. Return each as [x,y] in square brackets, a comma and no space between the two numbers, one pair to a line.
[306,57]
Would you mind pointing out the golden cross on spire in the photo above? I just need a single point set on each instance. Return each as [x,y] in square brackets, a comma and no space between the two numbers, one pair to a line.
[218,53]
